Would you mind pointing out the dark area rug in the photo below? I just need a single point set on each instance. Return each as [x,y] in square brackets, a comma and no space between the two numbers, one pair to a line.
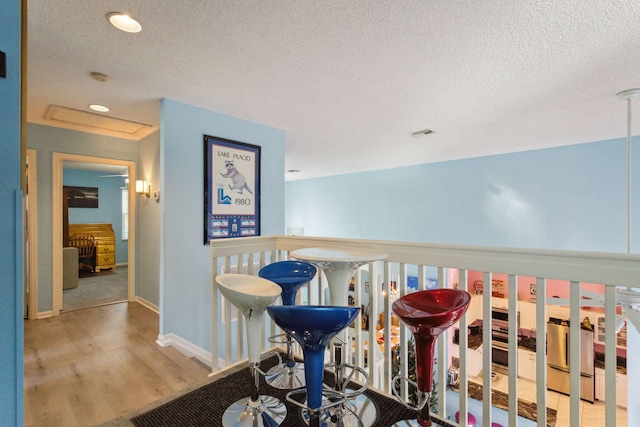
[205,406]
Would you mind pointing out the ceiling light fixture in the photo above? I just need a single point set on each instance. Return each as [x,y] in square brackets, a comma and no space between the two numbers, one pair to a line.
[293,171]
[421,133]
[98,107]
[124,22]
[628,95]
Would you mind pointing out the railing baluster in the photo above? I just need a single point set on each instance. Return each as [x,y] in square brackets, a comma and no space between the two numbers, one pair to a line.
[486,352]
[463,340]
[610,355]
[443,347]
[512,302]
[541,350]
[574,354]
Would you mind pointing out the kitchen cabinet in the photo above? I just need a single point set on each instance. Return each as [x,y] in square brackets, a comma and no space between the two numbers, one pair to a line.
[527,365]
[558,311]
[474,359]
[621,337]
[475,308]
[621,387]
[600,384]
[499,303]
[527,315]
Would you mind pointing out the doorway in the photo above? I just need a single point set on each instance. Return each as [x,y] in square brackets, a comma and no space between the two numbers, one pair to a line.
[59,161]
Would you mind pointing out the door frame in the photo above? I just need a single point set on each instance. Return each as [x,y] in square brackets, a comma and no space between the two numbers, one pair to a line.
[31,234]
[57,182]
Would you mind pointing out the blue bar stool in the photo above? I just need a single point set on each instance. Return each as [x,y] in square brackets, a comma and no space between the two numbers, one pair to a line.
[290,276]
[427,314]
[252,295]
[313,327]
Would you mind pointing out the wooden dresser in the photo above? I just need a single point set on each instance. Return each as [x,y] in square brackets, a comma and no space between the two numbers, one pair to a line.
[105,243]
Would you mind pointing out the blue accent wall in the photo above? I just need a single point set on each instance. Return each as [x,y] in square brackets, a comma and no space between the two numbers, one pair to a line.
[109,210]
[11,260]
[571,198]
[185,279]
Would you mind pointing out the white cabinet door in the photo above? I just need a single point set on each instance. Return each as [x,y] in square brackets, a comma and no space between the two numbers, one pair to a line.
[527,365]
[527,315]
[600,384]
[621,389]
[475,362]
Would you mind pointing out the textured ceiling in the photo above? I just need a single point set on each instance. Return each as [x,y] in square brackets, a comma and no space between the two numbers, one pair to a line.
[348,81]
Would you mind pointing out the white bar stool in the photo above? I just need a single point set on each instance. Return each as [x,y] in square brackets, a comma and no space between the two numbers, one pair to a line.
[252,295]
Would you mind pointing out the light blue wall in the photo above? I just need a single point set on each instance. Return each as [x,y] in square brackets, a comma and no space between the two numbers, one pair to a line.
[185,282]
[46,140]
[571,198]
[11,263]
[109,210]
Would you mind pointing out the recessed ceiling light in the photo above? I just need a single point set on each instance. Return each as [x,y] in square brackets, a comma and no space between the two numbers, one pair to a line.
[124,22]
[293,171]
[98,107]
[421,133]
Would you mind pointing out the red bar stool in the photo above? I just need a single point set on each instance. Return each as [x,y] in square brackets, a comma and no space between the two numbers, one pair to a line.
[427,314]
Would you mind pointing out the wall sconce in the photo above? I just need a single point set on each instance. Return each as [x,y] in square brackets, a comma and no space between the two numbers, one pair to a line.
[143,187]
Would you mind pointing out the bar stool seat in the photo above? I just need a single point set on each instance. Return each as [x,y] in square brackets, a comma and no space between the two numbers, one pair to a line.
[471,420]
[252,295]
[290,276]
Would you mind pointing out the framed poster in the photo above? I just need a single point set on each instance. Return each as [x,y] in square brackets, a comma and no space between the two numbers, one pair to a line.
[81,197]
[231,189]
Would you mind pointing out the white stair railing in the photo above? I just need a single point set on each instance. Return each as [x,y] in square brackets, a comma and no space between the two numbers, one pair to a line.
[247,255]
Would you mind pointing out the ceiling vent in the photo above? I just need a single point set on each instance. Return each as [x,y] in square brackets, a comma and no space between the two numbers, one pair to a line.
[421,133]
[91,122]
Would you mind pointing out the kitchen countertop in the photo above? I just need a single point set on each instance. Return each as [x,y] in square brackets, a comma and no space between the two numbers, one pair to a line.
[620,368]
[500,400]
[473,343]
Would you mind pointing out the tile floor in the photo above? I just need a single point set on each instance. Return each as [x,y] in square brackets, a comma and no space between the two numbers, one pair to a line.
[592,415]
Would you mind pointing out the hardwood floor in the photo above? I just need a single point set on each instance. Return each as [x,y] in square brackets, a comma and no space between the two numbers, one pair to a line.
[89,366]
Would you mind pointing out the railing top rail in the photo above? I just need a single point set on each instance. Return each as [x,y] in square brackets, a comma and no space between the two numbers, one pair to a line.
[595,267]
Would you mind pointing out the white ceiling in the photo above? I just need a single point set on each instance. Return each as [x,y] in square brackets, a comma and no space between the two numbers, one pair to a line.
[348,81]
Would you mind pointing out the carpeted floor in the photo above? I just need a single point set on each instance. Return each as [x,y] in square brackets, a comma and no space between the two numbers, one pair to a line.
[104,287]
[205,405]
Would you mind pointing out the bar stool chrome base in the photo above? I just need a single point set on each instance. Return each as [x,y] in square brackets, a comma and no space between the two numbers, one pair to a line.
[269,411]
[358,411]
[286,377]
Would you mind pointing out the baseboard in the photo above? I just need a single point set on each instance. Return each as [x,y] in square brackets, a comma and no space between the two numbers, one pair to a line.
[148,304]
[187,348]
[43,314]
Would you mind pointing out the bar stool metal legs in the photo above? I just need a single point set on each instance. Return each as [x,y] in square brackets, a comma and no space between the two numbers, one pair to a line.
[313,327]
[290,276]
